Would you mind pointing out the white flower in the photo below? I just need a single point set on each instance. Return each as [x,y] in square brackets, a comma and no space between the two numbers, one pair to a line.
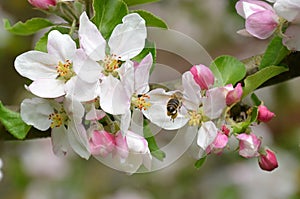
[52,73]
[126,41]
[64,119]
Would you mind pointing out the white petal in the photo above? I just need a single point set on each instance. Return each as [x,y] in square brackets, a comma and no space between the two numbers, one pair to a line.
[292,38]
[289,10]
[191,91]
[126,72]
[61,45]
[35,65]
[91,39]
[36,112]
[47,88]
[94,114]
[141,75]
[215,102]
[125,121]
[206,134]
[136,143]
[81,90]
[86,68]
[128,39]
[59,140]
[136,124]
[157,112]
[78,140]
[74,109]
[113,98]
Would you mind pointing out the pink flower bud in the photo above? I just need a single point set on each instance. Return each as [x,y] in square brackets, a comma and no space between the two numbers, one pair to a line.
[43,4]
[218,144]
[234,95]
[203,76]
[248,145]
[264,115]
[121,146]
[261,19]
[101,143]
[268,161]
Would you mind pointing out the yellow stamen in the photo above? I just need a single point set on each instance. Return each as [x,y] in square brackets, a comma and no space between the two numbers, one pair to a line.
[195,118]
[111,63]
[57,119]
[65,70]
[140,102]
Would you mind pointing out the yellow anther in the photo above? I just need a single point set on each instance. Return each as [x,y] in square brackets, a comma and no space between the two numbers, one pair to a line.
[111,63]
[140,102]
[65,70]
[57,119]
[195,118]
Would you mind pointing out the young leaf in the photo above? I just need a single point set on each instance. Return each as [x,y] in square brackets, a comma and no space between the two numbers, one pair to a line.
[13,123]
[252,82]
[108,14]
[136,2]
[200,162]
[274,54]
[41,44]
[151,19]
[154,149]
[227,70]
[29,27]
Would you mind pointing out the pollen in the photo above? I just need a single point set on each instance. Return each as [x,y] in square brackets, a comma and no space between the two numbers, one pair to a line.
[195,118]
[57,119]
[140,102]
[65,70]
[111,63]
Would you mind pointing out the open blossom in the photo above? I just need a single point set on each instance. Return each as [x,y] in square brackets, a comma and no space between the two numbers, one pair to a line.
[42,4]
[249,145]
[264,115]
[53,73]
[65,121]
[261,19]
[268,161]
[126,41]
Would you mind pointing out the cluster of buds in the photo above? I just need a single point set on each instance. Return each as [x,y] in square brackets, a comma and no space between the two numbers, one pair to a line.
[264,20]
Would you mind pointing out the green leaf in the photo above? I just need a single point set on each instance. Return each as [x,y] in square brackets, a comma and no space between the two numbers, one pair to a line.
[41,44]
[274,53]
[252,82]
[136,2]
[149,48]
[108,14]
[29,27]
[151,19]
[255,100]
[13,123]
[200,162]
[154,149]
[227,70]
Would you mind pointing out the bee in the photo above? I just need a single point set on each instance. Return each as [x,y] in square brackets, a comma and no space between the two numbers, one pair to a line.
[174,104]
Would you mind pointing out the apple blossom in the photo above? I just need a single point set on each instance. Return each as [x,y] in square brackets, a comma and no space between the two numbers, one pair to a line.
[53,73]
[64,119]
[261,19]
[268,161]
[43,4]
[264,115]
[218,144]
[249,145]
[126,41]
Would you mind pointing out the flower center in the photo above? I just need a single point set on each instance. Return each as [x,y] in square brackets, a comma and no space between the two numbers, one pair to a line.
[195,118]
[58,119]
[65,70]
[111,63]
[140,102]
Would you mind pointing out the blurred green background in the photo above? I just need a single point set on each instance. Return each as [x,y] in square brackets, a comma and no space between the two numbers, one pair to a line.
[31,171]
